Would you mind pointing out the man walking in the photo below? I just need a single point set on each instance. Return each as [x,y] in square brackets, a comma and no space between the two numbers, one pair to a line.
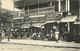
[0,36]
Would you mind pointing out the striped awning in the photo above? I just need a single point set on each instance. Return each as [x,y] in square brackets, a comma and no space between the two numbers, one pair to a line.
[69,19]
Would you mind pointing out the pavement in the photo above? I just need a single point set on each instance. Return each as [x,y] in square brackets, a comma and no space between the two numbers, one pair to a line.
[59,44]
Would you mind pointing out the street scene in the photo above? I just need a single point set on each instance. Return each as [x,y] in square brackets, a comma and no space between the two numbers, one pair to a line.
[40,25]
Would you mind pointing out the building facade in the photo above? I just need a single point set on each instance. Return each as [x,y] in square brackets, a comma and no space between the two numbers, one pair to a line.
[52,15]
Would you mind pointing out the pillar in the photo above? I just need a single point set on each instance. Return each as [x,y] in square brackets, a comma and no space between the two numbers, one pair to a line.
[59,8]
[66,5]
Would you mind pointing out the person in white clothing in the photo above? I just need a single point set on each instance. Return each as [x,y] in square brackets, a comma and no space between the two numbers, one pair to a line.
[57,35]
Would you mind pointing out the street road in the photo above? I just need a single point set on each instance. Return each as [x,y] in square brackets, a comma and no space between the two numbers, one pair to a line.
[19,47]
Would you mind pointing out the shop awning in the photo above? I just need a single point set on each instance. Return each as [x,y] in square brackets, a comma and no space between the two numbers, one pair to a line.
[69,19]
[77,22]
[25,26]
[39,25]
[51,22]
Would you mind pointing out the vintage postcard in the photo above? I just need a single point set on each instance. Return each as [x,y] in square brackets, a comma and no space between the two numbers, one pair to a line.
[39,25]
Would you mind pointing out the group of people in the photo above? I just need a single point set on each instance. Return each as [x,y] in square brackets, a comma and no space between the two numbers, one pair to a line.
[36,36]
[4,35]
[42,36]
[53,35]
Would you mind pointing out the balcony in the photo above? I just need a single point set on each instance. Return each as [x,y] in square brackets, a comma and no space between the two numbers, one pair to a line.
[45,10]
[20,3]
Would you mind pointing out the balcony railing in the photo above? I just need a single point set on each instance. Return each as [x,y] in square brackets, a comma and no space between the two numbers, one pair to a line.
[41,10]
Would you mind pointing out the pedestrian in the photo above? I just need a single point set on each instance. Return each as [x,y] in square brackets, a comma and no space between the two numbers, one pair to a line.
[39,35]
[51,34]
[3,34]
[8,35]
[57,35]
[0,36]
[47,36]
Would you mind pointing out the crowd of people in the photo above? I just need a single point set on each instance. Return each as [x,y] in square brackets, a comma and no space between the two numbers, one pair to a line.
[5,35]
[35,35]
[46,36]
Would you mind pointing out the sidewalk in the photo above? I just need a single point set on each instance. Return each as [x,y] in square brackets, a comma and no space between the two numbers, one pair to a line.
[43,43]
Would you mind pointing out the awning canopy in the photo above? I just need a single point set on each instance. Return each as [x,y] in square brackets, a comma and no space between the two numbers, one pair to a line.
[51,22]
[39,25]
[69,19]
[78,22]
[25,26]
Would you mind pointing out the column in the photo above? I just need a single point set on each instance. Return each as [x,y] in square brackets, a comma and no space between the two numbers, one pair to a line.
[66,5]
[59,2]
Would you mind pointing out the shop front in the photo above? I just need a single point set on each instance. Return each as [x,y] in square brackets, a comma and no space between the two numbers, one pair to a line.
[50,28]
[37,31]
[66,28]
[26,29]
[76,31]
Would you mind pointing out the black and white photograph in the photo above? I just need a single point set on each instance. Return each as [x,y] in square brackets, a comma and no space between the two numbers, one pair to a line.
[39,25]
